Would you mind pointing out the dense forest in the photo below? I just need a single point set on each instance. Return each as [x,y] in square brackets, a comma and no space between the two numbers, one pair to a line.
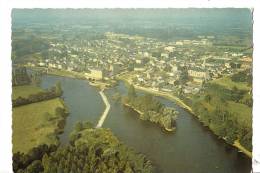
[90,150]
[227,111]
[150,109]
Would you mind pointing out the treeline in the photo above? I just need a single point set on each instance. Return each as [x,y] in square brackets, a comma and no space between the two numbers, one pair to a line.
[243,76]
[62,113]
[31,162]
[22,46]
[234,94]
[20,77]
[224,124]
[218,108]
[90,150]
[151,109]
[51,93]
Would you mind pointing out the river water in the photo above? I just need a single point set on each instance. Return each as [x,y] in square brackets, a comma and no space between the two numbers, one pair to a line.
[192,148]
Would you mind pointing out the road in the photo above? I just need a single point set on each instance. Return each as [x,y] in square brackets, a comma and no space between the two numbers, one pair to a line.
[105,113]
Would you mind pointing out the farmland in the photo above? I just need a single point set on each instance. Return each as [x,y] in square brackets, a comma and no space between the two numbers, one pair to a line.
[35,124]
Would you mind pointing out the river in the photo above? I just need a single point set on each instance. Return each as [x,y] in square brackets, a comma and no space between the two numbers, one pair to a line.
[192,148]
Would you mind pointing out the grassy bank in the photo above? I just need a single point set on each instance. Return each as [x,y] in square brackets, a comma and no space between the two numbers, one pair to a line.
[36,123]
[25,91]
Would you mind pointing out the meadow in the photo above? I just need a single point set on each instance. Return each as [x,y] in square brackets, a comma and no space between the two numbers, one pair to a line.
[36,124]
[25,91]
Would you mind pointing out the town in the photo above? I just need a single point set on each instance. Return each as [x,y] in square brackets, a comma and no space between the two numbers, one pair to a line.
[181,66]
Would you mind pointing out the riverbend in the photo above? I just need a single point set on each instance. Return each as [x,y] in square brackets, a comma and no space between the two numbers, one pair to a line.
[192,148]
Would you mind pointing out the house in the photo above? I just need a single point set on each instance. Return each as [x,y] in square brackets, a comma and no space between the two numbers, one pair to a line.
[198,75]
[164,55]
[42,64]
[179,43]
[169,48]
[96,74]
[139,67]
[246,62]
[196,72]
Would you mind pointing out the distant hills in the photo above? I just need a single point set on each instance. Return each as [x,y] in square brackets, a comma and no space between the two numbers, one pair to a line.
[159,23]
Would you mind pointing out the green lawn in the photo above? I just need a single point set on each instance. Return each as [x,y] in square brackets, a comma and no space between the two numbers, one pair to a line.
[24,91]
[229,84]
[35,124]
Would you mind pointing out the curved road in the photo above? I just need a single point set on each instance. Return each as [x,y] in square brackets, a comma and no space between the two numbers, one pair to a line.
[104,115]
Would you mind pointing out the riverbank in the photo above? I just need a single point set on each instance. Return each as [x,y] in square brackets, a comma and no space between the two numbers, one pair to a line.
[242,149]
[99,84]
[142,113]
[186,107]
[74,75]
[166,95]
[55,72]
[179,102]
[105,113]
[136,110]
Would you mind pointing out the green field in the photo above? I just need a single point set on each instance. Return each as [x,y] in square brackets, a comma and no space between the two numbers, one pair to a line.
[24,91]
[35,124]
[229,84]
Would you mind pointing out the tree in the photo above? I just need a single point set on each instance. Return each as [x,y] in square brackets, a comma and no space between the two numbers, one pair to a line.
[60,112]
[184,77]
[45,161]
[131,92]
[78,126]
[208,98]
[36,166]
[58,89]
[180,91]
[88,125]
[166,121]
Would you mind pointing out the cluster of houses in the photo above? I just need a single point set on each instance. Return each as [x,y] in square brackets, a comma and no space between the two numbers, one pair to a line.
[156,64]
